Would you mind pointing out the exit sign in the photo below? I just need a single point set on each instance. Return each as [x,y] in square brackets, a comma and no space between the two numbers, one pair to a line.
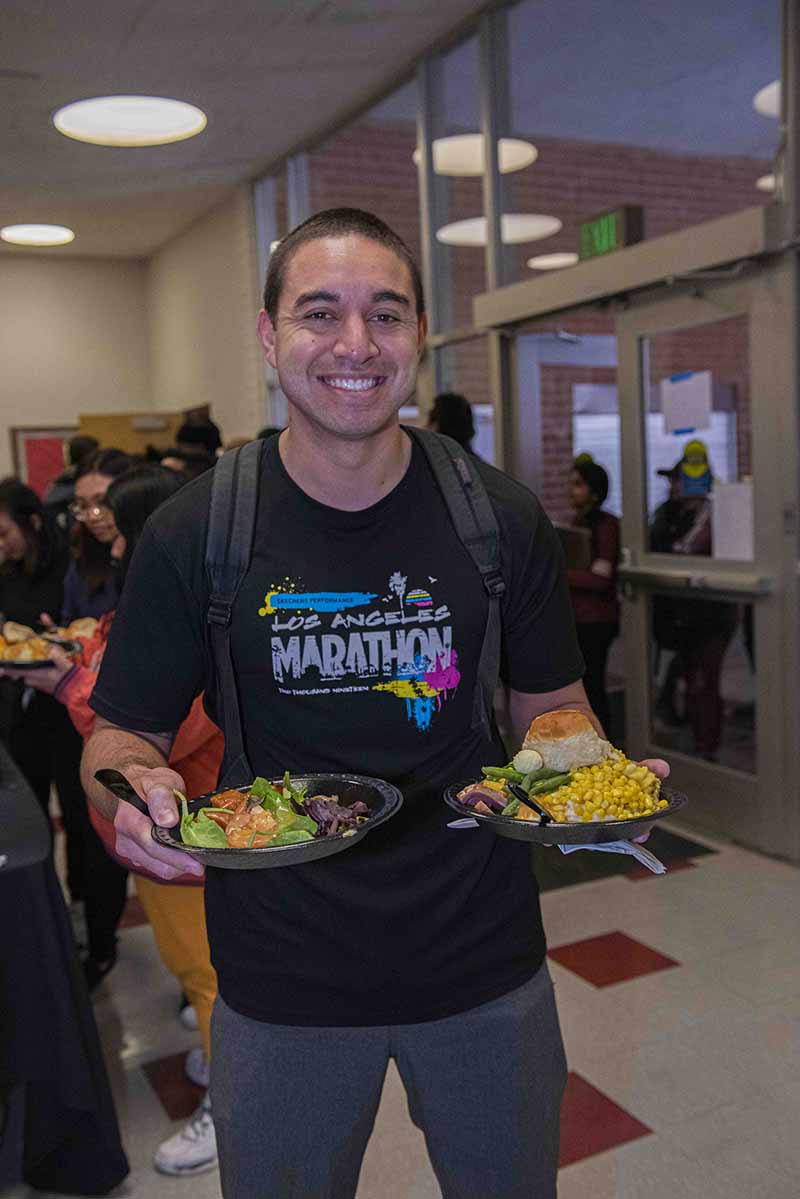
[611,231]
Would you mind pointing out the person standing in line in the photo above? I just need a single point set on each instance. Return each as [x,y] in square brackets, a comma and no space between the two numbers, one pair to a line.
[594,589]
[61,492]
[90,586]
[419,943]
[451,414]
[174,910]
[37,729]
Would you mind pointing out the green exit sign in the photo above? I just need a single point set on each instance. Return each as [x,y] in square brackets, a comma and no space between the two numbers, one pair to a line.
[611,231]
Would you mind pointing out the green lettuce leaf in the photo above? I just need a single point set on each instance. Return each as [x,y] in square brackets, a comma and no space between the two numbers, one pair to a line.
[292,836]
[201,831]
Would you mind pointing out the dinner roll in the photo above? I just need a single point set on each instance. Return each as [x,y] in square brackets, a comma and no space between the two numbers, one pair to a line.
[14,632]
[566,740]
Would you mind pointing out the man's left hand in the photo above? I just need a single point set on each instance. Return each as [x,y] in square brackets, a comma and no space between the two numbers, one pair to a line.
[659,767]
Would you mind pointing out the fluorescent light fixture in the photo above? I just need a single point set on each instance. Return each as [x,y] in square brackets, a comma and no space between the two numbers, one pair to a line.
[768,100]
[129,121]
[766,183]
[515,227]
[463,154]
[37,235]
[553,262]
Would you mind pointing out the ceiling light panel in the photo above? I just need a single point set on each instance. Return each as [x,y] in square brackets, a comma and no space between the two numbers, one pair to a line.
[130,121]
[553,262]
[767,101]
[462,154]
[515,227]
[37,235]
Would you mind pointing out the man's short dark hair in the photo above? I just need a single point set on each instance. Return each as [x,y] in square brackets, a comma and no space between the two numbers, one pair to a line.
[336,222]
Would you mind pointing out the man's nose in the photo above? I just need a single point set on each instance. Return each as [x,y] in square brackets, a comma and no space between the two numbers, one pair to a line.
[355,340]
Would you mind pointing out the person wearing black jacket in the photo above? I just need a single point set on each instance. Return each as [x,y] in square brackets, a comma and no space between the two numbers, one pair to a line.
[36,728]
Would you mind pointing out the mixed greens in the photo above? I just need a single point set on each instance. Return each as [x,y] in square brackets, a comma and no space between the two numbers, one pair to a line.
[267,814]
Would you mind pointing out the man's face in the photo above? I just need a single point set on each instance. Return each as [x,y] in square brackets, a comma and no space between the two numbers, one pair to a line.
[347,338]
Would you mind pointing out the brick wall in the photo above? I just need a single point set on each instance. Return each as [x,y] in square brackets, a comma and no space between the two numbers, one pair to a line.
[370,166]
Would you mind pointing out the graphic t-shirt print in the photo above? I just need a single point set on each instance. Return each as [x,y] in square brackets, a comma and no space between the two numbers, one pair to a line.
[399,643]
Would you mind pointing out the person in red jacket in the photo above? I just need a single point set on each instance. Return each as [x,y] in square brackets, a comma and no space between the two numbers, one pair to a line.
[175,909]
[594,590]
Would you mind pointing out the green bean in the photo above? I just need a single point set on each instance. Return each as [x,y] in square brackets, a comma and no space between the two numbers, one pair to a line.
[512,808]
[502,772]
[538,776]
[548,785]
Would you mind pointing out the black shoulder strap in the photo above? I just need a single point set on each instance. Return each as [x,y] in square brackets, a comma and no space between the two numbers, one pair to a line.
[229,545]
[473,517]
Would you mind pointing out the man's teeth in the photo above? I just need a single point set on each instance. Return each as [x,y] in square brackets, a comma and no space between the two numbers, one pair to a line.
[363,384]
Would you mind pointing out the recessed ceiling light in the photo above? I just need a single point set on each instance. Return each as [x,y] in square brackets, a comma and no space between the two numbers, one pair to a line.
[463,154]
[37,235]
[129,121]
[515,227]
[768,100]
[766,183]
[553,262]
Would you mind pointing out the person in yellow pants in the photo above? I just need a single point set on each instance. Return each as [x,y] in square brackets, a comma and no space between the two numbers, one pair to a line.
[178,920]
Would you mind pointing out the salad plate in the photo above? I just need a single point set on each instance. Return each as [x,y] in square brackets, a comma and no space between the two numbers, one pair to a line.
[381,798]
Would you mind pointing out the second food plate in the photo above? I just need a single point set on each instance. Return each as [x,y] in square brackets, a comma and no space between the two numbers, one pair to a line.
[593,832]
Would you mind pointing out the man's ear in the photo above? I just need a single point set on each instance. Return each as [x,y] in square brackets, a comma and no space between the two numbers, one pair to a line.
[266,335]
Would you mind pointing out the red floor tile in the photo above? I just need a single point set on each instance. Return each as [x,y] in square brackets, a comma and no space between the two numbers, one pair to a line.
[134,914]
[167,1077]
[592,1123]
[637,872]
[610,958]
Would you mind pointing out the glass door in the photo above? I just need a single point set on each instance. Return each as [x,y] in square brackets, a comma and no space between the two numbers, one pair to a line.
[709,561]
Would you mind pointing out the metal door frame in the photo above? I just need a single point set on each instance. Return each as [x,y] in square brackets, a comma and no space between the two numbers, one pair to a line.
[759,810]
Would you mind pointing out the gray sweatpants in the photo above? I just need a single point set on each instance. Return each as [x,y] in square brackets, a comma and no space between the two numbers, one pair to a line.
[294,1107]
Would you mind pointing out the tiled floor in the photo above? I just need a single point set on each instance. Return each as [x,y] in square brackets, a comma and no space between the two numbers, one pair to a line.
[680,1006]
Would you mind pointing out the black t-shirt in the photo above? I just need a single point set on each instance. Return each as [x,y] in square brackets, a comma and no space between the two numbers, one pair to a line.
[356,638]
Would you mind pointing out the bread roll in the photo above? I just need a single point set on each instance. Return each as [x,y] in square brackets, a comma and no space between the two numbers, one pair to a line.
[566,739]
[15,633]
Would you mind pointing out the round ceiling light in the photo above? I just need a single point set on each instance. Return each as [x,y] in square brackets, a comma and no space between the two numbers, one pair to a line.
[463,154]
[767,101]
[37,235]
[515,227]
[129,121]
[553,262]
[766,183]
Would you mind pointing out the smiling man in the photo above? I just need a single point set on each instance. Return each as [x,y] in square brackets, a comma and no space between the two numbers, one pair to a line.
[356,636]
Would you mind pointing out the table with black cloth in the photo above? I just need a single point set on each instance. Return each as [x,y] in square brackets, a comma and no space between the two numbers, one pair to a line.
[58,1126]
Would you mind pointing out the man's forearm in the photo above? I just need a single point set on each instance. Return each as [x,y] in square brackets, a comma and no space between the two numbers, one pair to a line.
[122,750]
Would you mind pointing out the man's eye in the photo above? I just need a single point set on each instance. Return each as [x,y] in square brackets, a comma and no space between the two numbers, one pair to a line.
[319,316]
[385,318]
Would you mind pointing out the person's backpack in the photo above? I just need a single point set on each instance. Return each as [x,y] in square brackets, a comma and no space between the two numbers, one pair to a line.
[234,501]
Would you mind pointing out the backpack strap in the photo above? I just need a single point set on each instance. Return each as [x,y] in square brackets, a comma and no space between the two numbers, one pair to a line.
[472,514]
[229,545]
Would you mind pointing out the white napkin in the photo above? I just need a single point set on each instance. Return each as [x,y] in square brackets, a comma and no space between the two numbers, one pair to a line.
[639,852]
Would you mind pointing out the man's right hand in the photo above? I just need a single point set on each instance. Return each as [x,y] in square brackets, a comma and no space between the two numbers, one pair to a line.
[133,829]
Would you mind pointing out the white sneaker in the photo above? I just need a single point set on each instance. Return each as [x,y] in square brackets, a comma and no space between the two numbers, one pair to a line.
[196,1067]
[191,1150]
[188,1017]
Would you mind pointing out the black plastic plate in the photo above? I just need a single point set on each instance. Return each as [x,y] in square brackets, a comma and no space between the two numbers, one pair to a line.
[596,832]
[382,799]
